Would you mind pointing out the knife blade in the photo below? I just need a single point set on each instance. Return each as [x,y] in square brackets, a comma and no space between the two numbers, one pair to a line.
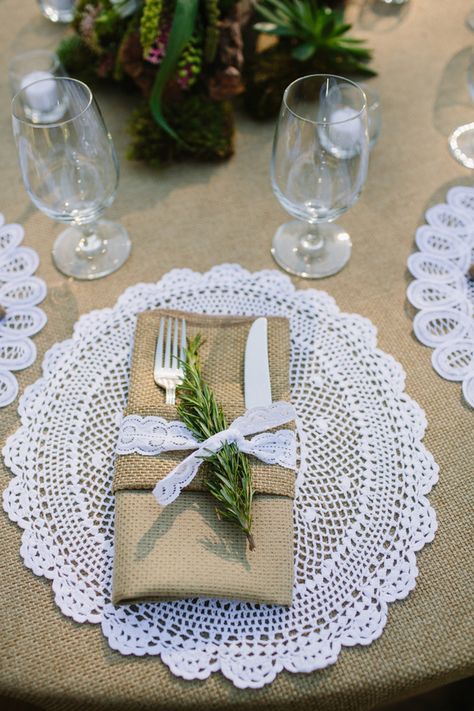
[257,386]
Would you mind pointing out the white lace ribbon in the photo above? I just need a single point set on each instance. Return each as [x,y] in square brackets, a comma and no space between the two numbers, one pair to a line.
[153,435]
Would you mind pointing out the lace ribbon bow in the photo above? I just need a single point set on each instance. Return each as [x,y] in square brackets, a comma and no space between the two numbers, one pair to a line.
[153,435]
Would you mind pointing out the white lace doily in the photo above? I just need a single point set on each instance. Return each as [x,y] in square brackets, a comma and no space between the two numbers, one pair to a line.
[360,512]
[19,294]
[443,291]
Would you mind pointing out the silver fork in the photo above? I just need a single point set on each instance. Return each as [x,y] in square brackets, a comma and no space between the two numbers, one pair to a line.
[169,356]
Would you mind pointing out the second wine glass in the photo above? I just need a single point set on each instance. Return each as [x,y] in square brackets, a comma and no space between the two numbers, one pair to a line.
[319,166]
[70,171]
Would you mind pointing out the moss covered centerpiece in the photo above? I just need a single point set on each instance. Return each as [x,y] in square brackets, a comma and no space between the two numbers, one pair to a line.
[190,58]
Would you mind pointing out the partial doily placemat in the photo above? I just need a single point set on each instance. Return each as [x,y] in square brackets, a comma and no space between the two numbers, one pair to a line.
[360,511]
[443,289]
[20,318]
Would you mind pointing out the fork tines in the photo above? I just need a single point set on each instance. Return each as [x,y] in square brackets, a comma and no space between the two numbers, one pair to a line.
[170,355]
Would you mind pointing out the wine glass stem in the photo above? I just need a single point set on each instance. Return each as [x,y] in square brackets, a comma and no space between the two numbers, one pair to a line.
[312,242]
[90,243]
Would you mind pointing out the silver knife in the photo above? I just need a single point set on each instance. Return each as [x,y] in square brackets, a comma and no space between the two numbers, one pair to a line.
[257,387]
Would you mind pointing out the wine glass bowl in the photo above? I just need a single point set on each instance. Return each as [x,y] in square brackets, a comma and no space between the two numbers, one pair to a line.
[461,140]
[319,167]
[71,171]
[27,68]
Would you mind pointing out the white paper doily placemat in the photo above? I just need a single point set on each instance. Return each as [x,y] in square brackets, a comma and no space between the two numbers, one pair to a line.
[443,291]
[360,512]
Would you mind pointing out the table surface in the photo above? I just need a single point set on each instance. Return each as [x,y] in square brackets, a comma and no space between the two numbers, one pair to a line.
[200,215]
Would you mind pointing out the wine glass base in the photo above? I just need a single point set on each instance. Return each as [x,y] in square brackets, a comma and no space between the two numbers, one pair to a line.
[461,145]
[316,263]
[111,253]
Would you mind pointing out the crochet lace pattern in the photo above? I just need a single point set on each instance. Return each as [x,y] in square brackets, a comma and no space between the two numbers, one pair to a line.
[443,290]
[360,513]
[20,292]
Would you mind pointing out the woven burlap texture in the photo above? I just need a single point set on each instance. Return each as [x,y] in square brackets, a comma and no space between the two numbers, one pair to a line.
[183,550]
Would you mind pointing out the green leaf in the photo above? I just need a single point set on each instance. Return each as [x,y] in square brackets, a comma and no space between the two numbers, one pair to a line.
[267,14]
[330,25]
[342,29]
[351,40]
[304,51]
[282,15]
[284,7]
[181,31]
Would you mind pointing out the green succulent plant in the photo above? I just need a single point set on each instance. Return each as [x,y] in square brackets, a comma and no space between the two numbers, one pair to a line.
[313,30]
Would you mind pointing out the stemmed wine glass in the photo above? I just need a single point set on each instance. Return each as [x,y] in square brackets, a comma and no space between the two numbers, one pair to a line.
[461,140]
[319,166]
[70,171]
[28,67]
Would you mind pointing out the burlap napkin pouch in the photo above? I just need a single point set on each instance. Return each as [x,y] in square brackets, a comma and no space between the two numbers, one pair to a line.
[183,550]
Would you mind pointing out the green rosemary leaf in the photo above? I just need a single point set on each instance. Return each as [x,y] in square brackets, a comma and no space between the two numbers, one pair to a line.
[229,476]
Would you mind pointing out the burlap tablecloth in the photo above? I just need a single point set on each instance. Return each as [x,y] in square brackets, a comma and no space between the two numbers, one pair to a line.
[195,216]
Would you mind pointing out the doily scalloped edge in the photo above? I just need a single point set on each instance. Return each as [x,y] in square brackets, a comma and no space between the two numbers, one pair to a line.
[460,305]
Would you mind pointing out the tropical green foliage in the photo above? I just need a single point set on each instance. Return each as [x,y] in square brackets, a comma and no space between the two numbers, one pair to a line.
[312,28]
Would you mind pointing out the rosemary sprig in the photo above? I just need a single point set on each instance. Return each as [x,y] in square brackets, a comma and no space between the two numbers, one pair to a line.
[229,477]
